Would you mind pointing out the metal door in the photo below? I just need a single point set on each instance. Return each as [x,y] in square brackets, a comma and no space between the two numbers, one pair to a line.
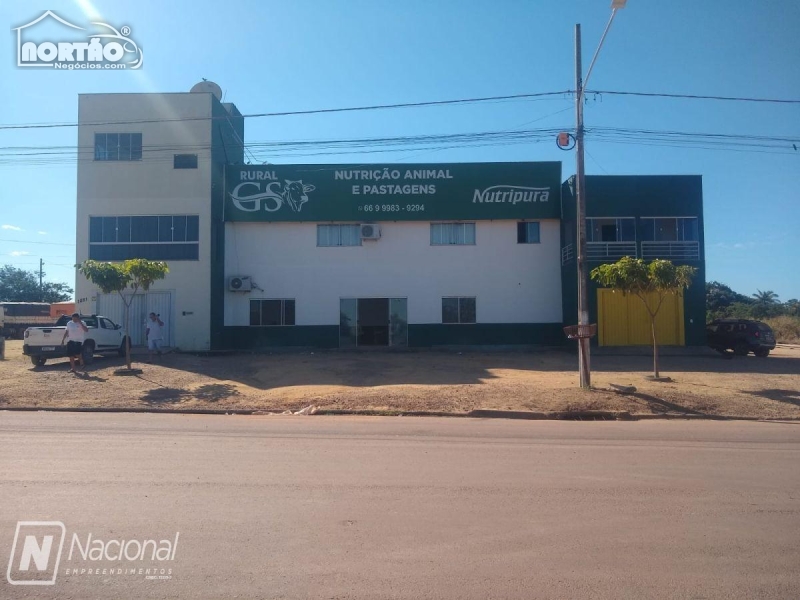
[112,306]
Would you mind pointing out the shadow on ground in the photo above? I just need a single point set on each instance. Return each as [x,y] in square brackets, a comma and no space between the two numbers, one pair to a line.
[787,396]
[212,392]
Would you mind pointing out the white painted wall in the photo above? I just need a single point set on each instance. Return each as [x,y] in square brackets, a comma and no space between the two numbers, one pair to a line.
[151,187]
[513,283]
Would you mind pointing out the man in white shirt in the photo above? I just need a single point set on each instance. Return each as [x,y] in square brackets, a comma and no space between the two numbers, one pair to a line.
[76,332]
[155,335]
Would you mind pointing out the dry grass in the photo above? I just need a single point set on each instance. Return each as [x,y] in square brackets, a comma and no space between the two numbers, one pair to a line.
[422,380]
[786,329]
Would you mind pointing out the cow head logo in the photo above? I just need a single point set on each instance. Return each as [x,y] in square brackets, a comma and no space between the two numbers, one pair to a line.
[295,194]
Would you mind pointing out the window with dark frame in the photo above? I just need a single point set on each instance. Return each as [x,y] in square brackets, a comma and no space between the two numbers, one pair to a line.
[165,237]
[269,312]
[117,146]
[459,309]
[184,161]
[528,232]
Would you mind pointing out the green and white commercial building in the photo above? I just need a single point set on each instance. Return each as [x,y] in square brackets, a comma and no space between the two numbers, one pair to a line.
[335,255]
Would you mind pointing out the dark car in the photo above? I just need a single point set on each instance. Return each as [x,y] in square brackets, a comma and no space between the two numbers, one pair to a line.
[740,335]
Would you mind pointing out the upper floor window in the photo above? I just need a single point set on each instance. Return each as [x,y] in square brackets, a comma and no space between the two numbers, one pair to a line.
[611,229]
[184,161]
[528,233]
[170,237]
[670,229]
[452,234]
[338,235]
[118,146]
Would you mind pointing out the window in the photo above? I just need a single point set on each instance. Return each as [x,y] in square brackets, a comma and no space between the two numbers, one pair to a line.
[106,324]
[265,313]
[338,235]
[611,229]
[672,229]
[117,146]
[452,234]
[184,161]
[528,233]
[169,237]
[458,310]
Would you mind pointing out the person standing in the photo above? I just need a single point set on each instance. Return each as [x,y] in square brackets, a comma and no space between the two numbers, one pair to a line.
[76,332]
[155,335]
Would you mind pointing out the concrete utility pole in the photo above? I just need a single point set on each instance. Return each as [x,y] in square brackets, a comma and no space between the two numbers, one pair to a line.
[580,195]
[41,275]
[584,364]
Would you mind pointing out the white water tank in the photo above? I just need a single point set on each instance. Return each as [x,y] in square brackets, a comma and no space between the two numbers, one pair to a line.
[207,87]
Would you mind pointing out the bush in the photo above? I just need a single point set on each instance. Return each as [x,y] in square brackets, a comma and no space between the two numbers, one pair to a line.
[786,328]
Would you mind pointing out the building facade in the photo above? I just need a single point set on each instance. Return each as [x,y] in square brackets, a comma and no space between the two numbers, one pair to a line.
[345,255]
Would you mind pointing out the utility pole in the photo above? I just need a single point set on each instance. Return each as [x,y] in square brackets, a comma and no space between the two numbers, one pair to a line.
[41,275]
[580,196]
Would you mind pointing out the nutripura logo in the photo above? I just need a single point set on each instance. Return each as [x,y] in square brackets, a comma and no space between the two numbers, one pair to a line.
[106,48]
[511,194]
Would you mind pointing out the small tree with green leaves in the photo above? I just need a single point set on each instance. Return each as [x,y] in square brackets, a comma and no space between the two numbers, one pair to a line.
[131,275]
[650,282]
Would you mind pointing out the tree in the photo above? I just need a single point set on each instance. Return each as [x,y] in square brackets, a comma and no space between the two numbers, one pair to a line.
[18,285]
[650,282]
[768,297]
[792,307]
[720,299]
[133,275]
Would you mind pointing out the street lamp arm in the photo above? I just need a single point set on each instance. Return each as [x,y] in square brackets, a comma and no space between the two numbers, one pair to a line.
[596,52]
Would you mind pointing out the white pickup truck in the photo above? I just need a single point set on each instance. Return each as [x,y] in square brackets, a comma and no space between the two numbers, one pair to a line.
[41,343]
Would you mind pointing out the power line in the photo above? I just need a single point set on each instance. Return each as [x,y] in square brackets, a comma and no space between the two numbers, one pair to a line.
[41,243]
[694,96]
[318,111]
[431,103]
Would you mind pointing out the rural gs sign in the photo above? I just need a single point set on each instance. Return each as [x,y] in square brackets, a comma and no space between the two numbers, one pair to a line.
[393,192]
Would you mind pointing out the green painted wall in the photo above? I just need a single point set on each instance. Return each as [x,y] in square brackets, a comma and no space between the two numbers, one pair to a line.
[419,336]
[227,129]
[637,196]
[251,338]
[393,192]
[486,334]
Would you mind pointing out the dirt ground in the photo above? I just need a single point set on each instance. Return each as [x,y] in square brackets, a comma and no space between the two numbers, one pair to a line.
[422,380]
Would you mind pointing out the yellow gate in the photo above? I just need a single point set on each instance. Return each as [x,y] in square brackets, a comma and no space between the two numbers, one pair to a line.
[623,320]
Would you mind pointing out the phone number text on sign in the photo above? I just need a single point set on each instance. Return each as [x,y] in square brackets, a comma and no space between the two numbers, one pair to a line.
[389,208]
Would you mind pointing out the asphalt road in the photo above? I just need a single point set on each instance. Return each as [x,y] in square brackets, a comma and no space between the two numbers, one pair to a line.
[319,507]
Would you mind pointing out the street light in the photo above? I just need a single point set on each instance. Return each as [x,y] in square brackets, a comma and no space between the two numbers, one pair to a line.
[580,196]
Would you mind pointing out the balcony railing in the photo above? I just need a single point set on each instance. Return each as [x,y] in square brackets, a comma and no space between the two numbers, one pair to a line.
[603,251]
[671,250]
[567,254]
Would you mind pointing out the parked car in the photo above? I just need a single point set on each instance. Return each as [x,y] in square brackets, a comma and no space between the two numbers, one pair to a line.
[740,335]
[42,343]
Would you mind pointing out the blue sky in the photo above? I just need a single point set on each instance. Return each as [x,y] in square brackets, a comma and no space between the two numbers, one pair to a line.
[282,56]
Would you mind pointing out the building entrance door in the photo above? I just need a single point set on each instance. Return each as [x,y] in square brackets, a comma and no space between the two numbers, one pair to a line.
[373,322]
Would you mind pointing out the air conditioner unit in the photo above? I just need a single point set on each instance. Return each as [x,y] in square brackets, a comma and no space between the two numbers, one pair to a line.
[370,231]
[240,283]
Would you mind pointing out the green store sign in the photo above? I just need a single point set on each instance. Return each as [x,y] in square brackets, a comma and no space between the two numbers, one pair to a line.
[393,192]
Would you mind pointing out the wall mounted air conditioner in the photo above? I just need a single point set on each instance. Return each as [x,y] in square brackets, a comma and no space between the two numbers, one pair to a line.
[370,231]
[240,283]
